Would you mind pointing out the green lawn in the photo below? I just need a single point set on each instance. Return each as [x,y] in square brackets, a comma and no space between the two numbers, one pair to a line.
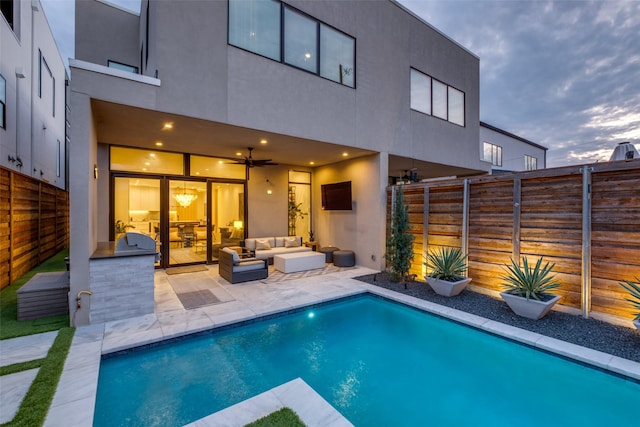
[10,327]
[285,417]
[33,409]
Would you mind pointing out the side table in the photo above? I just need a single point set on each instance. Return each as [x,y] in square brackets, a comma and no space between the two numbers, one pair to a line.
[313,245]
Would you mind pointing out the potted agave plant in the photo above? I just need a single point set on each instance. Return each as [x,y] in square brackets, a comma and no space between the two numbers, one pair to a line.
[527,288]
[447,268]
[634,289]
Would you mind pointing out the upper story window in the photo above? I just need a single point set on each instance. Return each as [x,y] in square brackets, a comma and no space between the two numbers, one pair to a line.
[284,34]
[437,99]
[530,163]
[121,66]
[46,82]
[6,7]
[3,102]
[492,153]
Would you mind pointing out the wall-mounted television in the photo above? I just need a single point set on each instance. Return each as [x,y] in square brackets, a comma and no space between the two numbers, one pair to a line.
[336,197]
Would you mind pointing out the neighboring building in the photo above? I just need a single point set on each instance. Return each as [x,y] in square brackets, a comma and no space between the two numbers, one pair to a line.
[33,82]
[165,104]
[508,152]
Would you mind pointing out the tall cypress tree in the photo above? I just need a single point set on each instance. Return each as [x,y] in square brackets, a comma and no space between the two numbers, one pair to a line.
[400,241]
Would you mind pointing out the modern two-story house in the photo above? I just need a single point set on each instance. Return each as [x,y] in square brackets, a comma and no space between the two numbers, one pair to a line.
[33,82]
[201,123]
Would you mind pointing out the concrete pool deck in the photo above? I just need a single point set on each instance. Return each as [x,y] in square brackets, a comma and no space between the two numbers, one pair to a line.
[74,401]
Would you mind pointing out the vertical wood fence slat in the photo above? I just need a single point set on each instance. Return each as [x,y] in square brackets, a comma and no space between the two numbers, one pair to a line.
[34,223]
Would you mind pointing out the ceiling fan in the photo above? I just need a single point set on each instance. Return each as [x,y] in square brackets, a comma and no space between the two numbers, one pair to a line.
[250,162]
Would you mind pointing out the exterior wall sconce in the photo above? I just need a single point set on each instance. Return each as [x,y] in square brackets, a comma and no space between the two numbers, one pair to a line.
[269,185]
[95,171]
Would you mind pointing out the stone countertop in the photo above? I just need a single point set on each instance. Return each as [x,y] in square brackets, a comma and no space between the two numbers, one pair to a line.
[108,250]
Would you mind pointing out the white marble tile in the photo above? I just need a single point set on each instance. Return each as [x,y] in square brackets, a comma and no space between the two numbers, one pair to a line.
[13,388]
[242,413]
[24,349]
[625,367]
[78,413]
[183,322]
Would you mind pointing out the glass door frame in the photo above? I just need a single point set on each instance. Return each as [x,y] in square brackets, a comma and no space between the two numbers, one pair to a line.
[164,232]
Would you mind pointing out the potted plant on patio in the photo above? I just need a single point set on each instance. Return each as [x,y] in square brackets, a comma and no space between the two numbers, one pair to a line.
[634,289]
[527,288]
[447,269]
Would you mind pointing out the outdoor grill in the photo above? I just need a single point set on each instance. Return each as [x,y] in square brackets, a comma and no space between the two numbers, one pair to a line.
[133,242]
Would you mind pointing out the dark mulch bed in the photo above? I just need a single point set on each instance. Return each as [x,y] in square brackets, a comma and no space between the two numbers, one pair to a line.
[591,333]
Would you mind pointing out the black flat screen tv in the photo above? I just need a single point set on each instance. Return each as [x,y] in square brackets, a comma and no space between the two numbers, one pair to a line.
[336,197]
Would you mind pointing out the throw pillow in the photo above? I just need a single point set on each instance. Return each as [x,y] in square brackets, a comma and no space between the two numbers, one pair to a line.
[262,244]
[291,242]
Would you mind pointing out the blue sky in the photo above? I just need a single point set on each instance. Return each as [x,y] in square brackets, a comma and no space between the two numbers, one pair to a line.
[564,74]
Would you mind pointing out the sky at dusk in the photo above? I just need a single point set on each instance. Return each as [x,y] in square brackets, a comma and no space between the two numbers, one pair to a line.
[564,74]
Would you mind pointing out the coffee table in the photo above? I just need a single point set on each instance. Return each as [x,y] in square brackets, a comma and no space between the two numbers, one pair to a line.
[298,261]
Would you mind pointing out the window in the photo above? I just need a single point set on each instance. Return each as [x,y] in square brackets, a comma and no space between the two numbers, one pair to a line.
[492,153]
[436,98]
[530,163]
[3,102]
[420,92]
[254,25]
[121,66]
[299,40]
[337,56]
[456,106]
[6,7]
[46,82]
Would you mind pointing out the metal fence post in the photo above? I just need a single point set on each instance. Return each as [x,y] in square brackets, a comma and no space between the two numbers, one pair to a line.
[585,300]
[465,220]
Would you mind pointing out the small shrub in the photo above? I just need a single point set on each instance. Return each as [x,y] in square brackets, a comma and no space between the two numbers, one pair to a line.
[446,264]
[400,242]
[530,282]
[634,289]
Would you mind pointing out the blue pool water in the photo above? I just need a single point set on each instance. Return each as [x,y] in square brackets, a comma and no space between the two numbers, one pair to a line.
[379,363]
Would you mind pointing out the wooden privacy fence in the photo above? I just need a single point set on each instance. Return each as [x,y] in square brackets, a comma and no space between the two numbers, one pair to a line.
[34,223]
[585,219]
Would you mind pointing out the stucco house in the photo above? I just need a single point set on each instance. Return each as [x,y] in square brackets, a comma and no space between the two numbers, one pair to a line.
[201,123]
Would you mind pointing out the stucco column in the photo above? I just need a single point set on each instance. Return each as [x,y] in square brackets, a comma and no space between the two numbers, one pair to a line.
[82,189]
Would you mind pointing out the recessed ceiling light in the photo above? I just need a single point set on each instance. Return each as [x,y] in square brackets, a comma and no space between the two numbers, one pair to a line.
[144,169]
[238,154]
[312,163]
[345,154]
[263,141]
[197,173]
[167,126]
[147,163]
[152,154]
[159,144]
[220,162]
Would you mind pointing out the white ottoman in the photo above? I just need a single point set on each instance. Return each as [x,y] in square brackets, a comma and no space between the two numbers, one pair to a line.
[298,261]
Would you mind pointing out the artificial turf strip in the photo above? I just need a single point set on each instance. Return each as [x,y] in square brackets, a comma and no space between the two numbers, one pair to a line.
[284,417]
[35,405]
[11,327]
[19,367]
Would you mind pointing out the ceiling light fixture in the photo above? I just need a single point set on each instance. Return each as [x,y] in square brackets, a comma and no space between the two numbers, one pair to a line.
[345,154]
[312,163]
[159,144]
[185,199]
[263,141]
[167,126]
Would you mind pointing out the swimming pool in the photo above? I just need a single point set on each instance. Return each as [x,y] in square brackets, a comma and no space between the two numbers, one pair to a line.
[377,362]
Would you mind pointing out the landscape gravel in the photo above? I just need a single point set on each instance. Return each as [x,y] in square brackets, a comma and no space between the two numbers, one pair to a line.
[591,333]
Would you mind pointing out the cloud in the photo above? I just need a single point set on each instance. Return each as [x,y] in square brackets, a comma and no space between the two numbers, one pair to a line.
[560,73]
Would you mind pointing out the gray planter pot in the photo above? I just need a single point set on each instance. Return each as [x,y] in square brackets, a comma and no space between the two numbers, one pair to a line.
[447,289]
[636,322]
[529,308]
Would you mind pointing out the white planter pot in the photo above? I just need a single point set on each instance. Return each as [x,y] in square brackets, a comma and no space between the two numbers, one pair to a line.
[447,289]
[636,322]
[529,308]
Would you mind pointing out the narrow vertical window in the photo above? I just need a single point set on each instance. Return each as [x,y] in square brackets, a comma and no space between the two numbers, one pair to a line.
[300,41]
[3,102]
[420,92]
[492,153]
[456,106]
[337,56]
[439,91]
